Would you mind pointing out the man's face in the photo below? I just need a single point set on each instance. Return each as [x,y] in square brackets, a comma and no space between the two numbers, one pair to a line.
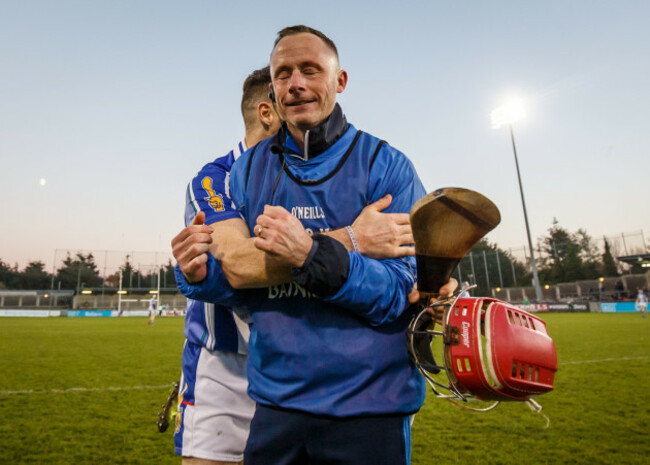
[306,78]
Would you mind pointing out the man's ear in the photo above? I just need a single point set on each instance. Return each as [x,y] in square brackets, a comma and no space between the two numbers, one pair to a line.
[266,114]
[341,80]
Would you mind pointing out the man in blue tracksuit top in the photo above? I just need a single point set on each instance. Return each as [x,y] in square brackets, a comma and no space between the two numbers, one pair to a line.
[328,364]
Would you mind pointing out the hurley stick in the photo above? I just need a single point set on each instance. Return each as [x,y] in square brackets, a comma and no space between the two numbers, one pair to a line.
[446,224]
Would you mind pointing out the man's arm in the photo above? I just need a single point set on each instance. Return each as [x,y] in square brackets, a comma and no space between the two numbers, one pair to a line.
[243,265]
[376,290]
[214,288]
[378,235]
[198,275]
[382,298]
[228,241]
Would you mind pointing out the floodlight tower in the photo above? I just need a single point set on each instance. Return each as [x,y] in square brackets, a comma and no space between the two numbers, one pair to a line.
[158,290]
[509,114]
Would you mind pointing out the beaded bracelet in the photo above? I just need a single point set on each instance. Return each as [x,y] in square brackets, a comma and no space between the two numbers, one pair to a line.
[353,239]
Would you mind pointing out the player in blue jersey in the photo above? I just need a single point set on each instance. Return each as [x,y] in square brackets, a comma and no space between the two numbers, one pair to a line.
[214,410]
[328,365]
[152,311]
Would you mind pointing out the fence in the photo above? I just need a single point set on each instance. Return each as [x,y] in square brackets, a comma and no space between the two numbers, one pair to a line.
[491,269]
[616,289]
[133,300]
[106,299]
[141,272]
[36,299]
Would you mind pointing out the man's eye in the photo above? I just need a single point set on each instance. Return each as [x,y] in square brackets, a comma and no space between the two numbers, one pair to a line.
[282,75]
[310,70]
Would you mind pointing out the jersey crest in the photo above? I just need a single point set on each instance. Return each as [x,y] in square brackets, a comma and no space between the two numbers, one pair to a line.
[214,200]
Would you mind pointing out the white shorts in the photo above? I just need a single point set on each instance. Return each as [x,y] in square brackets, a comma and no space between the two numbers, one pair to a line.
[214,410]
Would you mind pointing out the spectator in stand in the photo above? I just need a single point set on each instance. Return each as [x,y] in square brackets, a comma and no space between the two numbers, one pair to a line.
[620,289]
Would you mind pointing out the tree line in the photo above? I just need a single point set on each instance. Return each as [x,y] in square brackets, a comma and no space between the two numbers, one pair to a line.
[562,257]
[80,271]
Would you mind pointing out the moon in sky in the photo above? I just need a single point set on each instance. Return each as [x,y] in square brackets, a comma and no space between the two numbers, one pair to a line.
[42,181]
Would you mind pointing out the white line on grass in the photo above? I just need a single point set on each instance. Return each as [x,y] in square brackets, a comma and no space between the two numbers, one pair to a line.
[621,359]
[168,386]
[83,389]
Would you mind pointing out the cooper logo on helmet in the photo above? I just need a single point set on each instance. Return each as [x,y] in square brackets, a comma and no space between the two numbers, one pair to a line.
[465,334]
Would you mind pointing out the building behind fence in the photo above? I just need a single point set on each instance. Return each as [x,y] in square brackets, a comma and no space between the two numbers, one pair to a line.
[616,289]
[499,269]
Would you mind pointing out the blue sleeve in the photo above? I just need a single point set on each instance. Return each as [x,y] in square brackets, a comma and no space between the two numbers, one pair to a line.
[238,183]
[377,290]
[209,192]
[213,289]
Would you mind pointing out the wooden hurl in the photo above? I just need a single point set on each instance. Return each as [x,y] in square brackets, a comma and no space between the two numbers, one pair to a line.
[446,224]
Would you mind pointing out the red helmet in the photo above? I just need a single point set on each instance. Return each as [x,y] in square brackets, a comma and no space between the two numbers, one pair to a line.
[492,350]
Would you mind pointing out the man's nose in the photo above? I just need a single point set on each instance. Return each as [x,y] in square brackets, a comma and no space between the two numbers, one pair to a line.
[296,81]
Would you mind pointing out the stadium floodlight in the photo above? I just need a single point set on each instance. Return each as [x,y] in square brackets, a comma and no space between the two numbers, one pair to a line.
[153,291]
[86,291]
[510,113]
[121,292]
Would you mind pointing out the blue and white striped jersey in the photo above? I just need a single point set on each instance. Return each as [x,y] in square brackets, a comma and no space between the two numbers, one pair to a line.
[214,326]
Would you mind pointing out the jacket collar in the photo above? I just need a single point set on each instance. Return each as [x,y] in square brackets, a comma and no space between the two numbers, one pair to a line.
[317,139]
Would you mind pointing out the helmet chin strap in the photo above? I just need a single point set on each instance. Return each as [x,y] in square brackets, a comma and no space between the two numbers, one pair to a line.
[535,407]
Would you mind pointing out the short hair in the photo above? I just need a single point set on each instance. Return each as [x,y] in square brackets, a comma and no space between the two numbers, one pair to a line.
[254,91]
[298,29]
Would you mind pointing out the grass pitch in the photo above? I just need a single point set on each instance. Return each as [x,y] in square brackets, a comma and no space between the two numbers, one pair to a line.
[599,411]
[88,390]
